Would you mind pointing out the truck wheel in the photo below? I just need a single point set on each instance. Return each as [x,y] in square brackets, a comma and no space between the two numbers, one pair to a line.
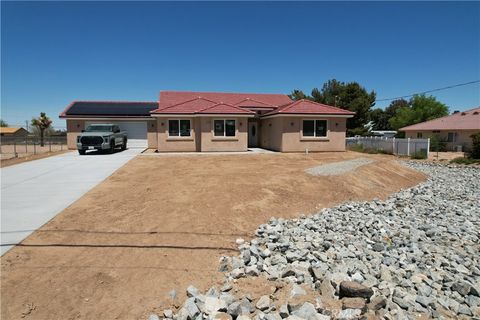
[81,152]
[112,146]
[124,145]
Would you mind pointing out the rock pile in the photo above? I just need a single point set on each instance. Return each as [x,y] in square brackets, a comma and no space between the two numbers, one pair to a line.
[415,254]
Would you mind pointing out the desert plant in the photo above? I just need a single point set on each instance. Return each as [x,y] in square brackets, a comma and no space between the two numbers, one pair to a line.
[475,154]
[42,123]
[462,160]
[438,144]
[422,154]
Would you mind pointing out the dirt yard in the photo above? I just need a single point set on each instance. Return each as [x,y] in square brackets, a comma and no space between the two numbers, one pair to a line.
[162,222]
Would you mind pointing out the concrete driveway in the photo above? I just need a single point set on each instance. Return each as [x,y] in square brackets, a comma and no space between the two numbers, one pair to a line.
[34,192]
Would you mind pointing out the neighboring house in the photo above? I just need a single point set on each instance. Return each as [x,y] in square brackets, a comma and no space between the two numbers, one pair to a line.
[384,133]
[213,121]
[456,129]
[13,133]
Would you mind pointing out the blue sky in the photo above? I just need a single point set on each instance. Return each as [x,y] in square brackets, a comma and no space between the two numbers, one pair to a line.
[55,52]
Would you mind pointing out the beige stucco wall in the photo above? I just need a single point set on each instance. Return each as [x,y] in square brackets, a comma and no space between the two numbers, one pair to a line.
[74,127]
[176,144]
[463,137]
[152,134]
[271,132]
[285,134]
[209,142]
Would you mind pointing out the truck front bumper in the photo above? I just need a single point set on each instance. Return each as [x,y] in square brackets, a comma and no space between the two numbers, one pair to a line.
[103,146]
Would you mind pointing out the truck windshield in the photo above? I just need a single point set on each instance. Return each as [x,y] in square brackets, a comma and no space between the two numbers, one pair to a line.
[99,128]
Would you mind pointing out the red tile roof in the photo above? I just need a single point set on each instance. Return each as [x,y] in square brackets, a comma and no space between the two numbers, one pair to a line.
[248,102]
[309,107]
[223,108]
[188,106]
[466,120]
[168,98]
[201,105]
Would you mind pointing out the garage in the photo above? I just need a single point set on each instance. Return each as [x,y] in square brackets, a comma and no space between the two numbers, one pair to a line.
[136,132]
[132,117]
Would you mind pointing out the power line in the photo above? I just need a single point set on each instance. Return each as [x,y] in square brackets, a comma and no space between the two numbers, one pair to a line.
[428,91]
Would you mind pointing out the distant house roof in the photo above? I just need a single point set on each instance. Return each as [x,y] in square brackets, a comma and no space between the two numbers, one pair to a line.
[466,120]
[109,109]
[305,106]
[10,130]
[168,98]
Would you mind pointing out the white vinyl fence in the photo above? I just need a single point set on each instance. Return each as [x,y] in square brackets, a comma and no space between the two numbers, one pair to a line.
[401,147]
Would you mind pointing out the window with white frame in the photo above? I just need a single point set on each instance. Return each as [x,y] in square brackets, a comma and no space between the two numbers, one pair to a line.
[179,128]
[314,128]
[224,128]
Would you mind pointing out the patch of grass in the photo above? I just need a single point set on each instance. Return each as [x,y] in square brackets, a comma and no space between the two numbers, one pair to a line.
[419,155]
[461,160]
[360,148]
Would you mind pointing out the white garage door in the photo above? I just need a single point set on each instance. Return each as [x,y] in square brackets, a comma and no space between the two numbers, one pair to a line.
[136,132]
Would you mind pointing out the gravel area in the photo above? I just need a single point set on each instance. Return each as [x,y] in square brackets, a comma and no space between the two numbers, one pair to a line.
[336,168]
[415,255]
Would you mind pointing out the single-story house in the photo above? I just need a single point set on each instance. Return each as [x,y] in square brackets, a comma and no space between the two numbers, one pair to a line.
[213,121]
[456,129]
[11,132]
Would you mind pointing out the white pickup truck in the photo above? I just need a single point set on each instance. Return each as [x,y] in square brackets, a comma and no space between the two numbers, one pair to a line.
[101,137]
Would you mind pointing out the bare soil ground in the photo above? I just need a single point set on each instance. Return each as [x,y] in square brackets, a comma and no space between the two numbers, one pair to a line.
[161,223]
[444,156]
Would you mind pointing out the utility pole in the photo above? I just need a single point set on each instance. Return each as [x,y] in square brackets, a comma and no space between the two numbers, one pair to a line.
[26,124]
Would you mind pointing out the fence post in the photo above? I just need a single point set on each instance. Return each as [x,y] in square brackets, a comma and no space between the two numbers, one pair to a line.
[408,147]
[15,149]
[50,145]
[26,146]
[34,148]
[428,147]
[393,145]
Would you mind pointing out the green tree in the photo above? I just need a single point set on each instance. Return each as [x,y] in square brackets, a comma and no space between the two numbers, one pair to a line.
[351,96]
[42,123]
[298,95]
[475,154]
[421,108]
[381,117]
[3,123]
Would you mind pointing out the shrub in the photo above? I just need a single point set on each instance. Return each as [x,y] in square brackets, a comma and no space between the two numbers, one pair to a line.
[462,160]
[438,144]
[357,147]
[422,154]
[475,154]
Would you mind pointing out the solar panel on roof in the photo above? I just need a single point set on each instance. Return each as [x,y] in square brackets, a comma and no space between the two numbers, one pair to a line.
[136,109]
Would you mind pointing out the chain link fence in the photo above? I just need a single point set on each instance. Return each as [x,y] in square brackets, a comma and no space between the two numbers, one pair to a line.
[401,147]
[16,147]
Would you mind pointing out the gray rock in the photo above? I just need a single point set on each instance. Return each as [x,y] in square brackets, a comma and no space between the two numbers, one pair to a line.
[348,314]
[191,307]
[377,303]
[378,247]
[297,291]
[263,303]
[462,287]
[168,313]
[306,311]
[283,311]
[425,301]
[153,317]
[192,291]
[214,304]
[463,309]
[353,290]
